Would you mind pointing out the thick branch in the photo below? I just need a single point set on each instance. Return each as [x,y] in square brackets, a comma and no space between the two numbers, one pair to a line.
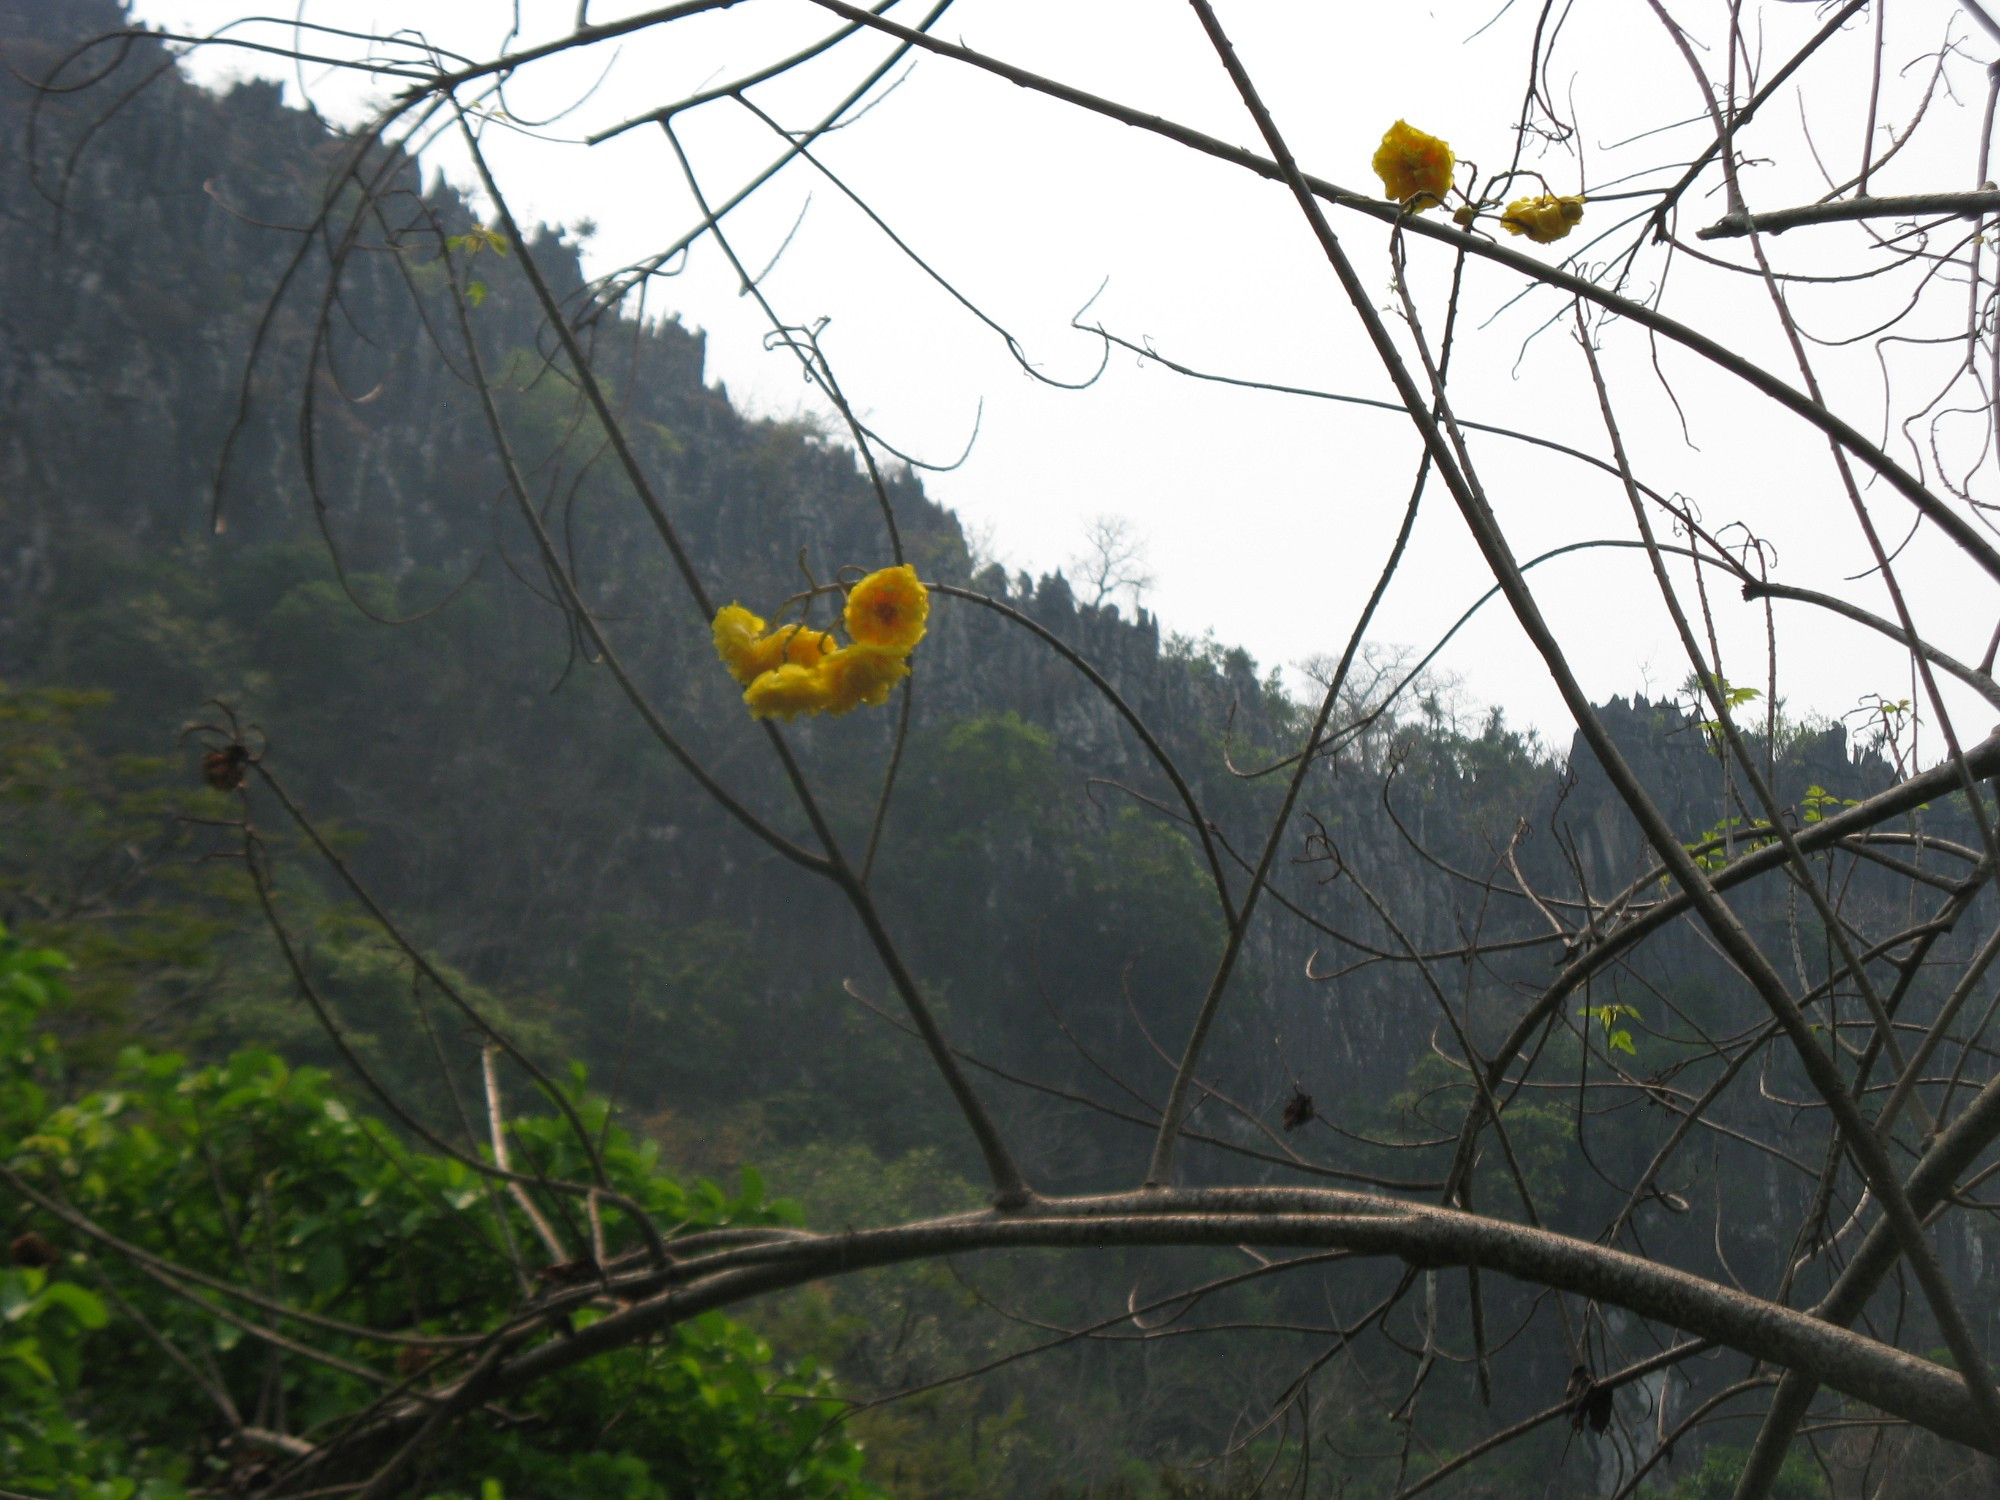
[1901,1384]
[1972,677]
[1973,205]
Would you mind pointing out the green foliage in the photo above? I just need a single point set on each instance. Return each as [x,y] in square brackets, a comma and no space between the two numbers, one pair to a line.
[1818,801]
[1483,779]
[1698,688]
[1798,1479]
[1006,765]
[1732,843]
[96,859]
[908,1326]
[1617,1038]
[254,1170]
[47,1445]
[682,1013]
[1543,1137]
[476,239]
[1014,878]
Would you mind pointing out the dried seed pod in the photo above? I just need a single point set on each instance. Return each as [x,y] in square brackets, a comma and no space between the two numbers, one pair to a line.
[412,1359]
[31,1249]
[223,769]
[568,1272]
[1298,1109]
[1587,1401]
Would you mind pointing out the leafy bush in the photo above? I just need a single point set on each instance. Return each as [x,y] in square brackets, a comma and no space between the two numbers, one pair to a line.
[125,1379]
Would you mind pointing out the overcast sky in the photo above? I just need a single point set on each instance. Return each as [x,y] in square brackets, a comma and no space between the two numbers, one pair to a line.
[1265,516]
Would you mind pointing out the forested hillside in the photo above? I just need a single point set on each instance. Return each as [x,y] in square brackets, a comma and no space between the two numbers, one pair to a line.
[192,527]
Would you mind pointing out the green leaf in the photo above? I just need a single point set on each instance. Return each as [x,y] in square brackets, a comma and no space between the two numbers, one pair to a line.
[28,1352]
[85,1306]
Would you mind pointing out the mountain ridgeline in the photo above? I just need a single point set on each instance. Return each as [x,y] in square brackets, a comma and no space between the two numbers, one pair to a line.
[219,481]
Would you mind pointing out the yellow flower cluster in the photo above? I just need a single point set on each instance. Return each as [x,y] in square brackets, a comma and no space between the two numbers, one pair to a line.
[1415,168]
[794,670]
[1544,218]
[749,652]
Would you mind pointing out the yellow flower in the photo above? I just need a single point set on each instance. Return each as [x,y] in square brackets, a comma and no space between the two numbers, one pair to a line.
[736,633]
[787,692]
[1543,218]
[1415,168]
[749,653]
[800,645]
[855,675]
[888,608]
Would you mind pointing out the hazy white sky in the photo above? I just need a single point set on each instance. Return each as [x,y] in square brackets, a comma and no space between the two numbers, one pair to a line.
[1265,516]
